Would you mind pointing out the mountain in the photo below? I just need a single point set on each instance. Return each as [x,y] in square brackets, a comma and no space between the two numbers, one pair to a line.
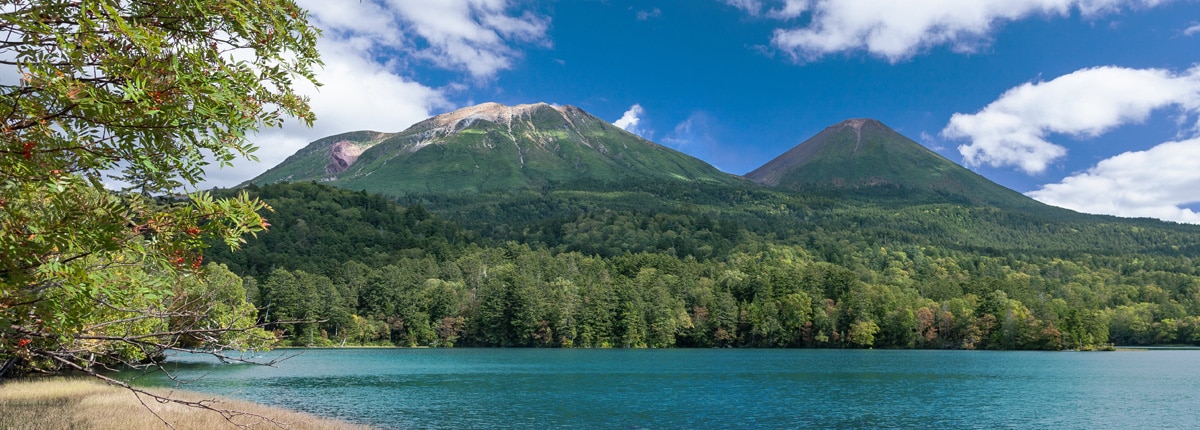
[489,147]
[867,158]
[857,238]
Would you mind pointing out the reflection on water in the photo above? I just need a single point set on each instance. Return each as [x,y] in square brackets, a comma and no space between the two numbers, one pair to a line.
[528,388]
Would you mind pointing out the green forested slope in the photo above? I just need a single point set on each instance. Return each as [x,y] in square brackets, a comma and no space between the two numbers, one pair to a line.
[310,162]
[538,225]
[629,264]
[492,147]
[865,158]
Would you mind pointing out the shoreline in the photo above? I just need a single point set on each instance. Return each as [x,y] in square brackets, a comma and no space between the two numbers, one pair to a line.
[82,402]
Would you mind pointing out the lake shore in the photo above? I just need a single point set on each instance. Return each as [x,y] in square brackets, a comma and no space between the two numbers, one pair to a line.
[457,388]
[85,403]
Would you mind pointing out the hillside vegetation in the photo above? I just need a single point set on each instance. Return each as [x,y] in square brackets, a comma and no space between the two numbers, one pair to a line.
[651,265]
[490,147]
[539,225]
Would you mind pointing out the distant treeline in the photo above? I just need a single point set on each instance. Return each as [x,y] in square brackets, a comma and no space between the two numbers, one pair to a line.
[630,266]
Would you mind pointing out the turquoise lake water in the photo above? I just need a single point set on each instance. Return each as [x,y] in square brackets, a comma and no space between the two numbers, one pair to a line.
[709,388]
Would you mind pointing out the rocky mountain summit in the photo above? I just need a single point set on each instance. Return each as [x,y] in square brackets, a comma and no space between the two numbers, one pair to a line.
[489,147]
[864,156]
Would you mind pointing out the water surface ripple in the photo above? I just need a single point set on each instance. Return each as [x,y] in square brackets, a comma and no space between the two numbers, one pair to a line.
[702,388]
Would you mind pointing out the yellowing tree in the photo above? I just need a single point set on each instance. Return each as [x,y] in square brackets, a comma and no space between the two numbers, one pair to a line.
[138,93]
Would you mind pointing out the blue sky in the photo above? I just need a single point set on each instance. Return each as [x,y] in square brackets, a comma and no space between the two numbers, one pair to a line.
[1086,104]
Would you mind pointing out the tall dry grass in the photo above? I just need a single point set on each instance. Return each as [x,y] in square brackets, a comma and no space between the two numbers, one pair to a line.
[80,403]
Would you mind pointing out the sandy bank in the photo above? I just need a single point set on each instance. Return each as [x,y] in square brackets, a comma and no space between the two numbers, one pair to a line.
[80,403]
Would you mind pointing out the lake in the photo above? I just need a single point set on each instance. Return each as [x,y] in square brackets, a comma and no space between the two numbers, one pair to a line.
[712,388]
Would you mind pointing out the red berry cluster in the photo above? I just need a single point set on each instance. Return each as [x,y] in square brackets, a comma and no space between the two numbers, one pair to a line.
[178,260]
[28,150]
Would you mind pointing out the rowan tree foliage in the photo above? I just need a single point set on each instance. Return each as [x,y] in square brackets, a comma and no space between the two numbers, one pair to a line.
[110,112]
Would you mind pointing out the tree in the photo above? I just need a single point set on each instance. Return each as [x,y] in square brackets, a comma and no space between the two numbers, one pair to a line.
[862,333]
[213,310]
[109,110]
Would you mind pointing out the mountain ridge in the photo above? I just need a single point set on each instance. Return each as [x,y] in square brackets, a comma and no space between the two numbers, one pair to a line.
[770,173]
[489,147]
[863,156]
[493,147]
[858,237]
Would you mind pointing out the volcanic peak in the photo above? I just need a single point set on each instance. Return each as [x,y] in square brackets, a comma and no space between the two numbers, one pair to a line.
[493,112]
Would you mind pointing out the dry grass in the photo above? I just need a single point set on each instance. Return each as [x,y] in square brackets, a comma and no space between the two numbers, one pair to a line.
[89,404]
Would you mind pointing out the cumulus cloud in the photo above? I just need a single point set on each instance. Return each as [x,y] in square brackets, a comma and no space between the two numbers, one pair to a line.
[1156,183]
[364,87]
[363,81]
[898,29]
[629,121]
[471,35]
[357,94]
[1190,31]
[1014,129]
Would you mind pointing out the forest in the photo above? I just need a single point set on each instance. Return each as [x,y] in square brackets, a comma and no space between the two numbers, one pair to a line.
[359,269]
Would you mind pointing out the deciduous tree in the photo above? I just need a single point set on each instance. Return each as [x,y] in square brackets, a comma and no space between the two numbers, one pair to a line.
[110,110]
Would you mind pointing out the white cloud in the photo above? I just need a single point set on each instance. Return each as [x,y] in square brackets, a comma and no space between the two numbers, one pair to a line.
[356,94]
[645,15]
[684,133]
[785,9]
[1155,183]
[363,86]
[1195,28]
[930,141]
[898,29]
[365,45]
[694,133]
[629,121]
[1013,130]
[469,35]
[753,7]
[791,9]
[700,136]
